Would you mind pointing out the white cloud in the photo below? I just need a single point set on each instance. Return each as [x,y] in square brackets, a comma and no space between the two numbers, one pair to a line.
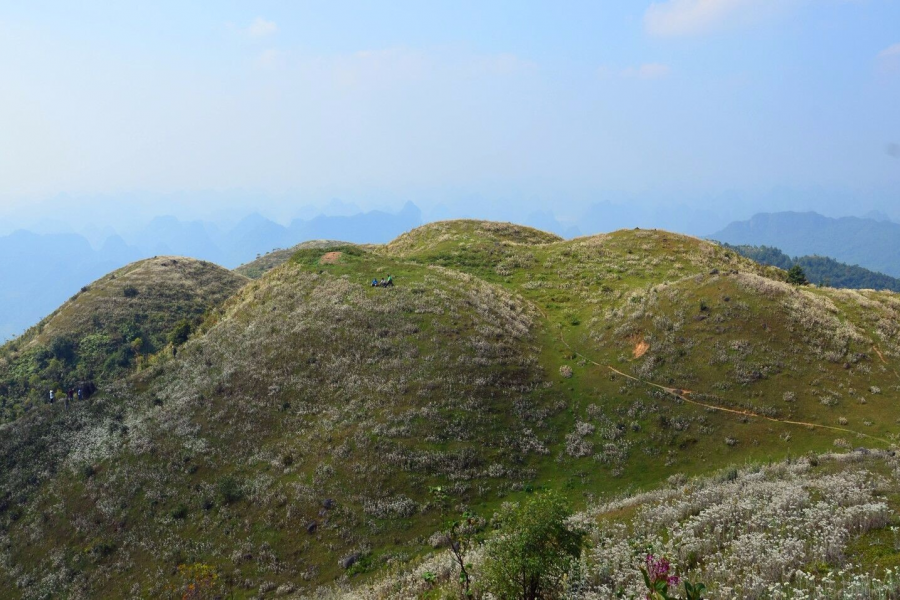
[502,64]
[261,28]
[693,17]
[890,51]
[889,60]
[270,59]
[371,68]
[645,71]
[648,71]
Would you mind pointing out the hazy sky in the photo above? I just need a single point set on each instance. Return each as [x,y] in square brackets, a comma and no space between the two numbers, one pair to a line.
[335,98]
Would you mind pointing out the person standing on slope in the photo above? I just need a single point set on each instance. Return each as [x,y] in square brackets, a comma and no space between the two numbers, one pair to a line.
[51,396]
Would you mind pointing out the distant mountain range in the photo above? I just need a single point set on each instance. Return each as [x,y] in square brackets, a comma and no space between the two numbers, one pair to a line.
[256,234]
[873,243]
[40,271]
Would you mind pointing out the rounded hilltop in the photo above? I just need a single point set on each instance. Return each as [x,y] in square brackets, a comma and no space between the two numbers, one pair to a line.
[461,232]
[524,254]
[469,245]
[268,261]
[101,332]
[163,289]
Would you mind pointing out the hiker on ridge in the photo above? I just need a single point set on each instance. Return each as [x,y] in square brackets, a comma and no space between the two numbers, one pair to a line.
[51,396]
[389,282]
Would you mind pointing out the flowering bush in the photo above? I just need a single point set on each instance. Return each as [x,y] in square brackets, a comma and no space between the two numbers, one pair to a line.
[659,579]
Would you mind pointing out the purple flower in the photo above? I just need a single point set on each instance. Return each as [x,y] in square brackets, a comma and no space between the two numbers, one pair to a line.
[658,570]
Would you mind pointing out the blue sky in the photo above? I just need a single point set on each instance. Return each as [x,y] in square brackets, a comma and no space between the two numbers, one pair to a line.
[441,100]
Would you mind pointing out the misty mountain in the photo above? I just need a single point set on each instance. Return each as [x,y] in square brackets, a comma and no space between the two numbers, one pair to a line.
[611,216]
[873,244]
[545,221]
[374,227]
[40,271]
[255,234]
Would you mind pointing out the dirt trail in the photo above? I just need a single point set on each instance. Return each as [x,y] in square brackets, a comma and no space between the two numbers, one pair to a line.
[683,395]
[881,356]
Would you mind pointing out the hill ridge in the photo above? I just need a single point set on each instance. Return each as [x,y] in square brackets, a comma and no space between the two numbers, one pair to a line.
[303,426]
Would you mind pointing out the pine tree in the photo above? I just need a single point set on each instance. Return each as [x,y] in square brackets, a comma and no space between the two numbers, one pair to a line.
[796,276]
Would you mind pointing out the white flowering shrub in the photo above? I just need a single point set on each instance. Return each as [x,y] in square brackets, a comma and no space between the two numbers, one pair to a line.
[778,532]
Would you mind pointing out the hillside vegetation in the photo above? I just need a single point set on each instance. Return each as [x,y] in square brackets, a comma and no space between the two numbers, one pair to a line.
[821,270]
[268,261]
[316,430]
[719,530]
[106,329]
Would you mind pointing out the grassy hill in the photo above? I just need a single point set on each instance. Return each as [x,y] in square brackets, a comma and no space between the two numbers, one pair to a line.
[108,327]
[297,438]
[268,261]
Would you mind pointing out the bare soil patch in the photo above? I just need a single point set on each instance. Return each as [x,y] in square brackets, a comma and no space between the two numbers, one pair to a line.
[640,348]
[330,258]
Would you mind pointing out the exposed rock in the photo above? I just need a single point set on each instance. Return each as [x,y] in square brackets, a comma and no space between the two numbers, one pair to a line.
[349,560]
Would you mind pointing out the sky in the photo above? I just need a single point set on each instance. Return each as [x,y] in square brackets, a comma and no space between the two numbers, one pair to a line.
[443,102]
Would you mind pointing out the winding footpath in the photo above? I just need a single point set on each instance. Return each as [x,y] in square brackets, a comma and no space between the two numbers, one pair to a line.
[684,395]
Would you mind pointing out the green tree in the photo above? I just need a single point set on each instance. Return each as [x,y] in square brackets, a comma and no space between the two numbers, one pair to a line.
[63,348]
[796,276]
[534,550]
[180,334]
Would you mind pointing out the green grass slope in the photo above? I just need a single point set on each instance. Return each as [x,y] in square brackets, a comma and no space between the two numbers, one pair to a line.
[309,418]
[686,314]
[268,261]
[105,329]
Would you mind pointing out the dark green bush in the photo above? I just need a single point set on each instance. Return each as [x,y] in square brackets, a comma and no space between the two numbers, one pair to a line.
[63,348]
[88,471]
[180,333]
[230,490]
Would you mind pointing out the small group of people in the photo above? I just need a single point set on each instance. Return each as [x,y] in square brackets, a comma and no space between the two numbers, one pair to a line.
[71,394]
[389,282]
